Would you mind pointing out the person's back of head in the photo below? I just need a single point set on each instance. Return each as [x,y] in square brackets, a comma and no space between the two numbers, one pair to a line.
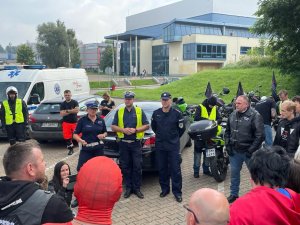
[293,181]
[24,161]
[269,167]
[207,206]
[97,189]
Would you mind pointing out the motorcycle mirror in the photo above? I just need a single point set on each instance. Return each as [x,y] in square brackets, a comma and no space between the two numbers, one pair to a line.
[226,90]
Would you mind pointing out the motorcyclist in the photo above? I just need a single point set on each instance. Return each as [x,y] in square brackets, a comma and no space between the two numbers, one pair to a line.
[14,116]
[206,110]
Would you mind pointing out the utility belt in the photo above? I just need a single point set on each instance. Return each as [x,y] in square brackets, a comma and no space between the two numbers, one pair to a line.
[94,144]
[130,141]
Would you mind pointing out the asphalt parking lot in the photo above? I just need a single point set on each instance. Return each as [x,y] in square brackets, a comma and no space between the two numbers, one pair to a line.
[152,210]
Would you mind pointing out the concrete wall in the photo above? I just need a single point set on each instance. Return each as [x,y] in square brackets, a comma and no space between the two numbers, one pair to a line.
[190,8]
[146,56]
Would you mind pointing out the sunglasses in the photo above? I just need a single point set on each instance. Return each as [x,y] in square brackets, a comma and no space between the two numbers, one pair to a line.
[186,206]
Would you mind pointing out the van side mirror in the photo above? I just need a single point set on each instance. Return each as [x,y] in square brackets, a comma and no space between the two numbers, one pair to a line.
[34,99]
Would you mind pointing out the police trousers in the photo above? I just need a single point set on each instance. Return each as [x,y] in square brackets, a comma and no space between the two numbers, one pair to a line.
[131,164]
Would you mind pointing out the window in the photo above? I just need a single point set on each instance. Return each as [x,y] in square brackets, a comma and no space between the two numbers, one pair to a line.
[38,91]
[160,60]
[211,51]
[244,50]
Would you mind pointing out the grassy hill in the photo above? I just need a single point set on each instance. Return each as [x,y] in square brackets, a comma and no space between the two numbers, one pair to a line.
[192,87]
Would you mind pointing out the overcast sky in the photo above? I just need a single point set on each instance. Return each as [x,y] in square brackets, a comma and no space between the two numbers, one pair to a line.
[91,19]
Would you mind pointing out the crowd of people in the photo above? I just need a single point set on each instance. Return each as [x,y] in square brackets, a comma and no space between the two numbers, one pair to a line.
[27,197]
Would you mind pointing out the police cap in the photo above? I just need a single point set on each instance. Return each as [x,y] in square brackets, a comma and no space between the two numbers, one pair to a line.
[165,96]
[129,94]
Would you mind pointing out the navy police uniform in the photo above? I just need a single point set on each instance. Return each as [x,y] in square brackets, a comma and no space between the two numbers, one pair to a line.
[130,148]
[168,127]
[89,131]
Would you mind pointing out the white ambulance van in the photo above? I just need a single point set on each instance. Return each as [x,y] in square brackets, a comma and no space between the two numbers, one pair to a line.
[36,84]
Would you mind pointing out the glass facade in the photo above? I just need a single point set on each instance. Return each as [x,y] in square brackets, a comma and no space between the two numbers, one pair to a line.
[160,60]
[125,57]
[195,51]
[174,31]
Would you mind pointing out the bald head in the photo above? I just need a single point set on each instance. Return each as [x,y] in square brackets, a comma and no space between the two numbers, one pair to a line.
[210,206]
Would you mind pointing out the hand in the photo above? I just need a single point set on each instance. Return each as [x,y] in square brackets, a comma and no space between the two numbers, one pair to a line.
[83,142]
[65,182]
[229,150]
[129,131]
[101,136]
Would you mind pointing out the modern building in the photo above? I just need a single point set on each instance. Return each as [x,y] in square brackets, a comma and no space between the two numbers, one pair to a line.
[187,36]
[90,55]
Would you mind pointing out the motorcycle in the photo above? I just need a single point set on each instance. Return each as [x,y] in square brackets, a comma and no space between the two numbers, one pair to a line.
[216,156]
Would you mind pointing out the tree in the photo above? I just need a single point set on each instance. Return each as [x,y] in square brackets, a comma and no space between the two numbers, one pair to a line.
[25,55]
[57,45]
[280,21]
[2,50]
[106,58]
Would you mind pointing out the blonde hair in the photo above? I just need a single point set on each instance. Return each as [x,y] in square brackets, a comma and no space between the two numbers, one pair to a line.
[108,95]
[290,106]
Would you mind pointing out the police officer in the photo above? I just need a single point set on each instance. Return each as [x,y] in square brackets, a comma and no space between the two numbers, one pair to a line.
[206,110]
[14,116]
[130,122]
[168,125]
[93,130]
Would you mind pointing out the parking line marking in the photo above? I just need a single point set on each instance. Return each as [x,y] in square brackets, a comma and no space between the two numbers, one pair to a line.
[63,159]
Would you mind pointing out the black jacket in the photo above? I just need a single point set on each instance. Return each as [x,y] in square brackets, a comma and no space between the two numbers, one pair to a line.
[168,128]
[56,210]
[61,191]
[288,134]
[245,131]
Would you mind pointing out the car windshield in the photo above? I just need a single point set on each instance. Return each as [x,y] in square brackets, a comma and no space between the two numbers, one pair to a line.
[48,108]
[22,88]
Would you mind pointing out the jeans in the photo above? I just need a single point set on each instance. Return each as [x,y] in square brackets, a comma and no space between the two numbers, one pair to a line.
[268,135]
[197,161]
[236,163]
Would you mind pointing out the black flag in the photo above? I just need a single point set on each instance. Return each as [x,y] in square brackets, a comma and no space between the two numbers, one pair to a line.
[273,89]
[240,90]
[208,91]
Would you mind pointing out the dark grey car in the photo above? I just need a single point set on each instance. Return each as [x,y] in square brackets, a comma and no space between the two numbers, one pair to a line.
[45,122]
[148,143]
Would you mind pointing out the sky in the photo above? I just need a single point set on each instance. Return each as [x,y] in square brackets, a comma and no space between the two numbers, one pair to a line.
[90,19]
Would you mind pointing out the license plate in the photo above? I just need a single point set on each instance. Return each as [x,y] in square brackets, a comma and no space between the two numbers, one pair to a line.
[210,152]
[49,124]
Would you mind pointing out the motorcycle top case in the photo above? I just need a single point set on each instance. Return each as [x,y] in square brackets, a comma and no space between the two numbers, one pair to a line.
[203,129]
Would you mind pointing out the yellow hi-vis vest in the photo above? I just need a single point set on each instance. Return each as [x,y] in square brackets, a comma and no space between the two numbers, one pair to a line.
[211,116]
[19,117]
[138,112]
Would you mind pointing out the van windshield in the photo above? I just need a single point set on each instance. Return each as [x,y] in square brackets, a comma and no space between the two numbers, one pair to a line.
[22,88]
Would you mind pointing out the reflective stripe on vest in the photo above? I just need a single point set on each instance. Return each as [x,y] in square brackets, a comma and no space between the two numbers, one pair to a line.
[19,117]
[138,112]
[212,115]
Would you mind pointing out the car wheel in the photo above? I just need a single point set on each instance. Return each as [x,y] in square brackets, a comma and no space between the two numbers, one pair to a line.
[189,143]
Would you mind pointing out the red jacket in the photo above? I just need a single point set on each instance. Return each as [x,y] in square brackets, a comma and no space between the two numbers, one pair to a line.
[266,206]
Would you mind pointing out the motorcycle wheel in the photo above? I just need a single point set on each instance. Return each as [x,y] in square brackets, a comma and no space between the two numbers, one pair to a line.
[218,168]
